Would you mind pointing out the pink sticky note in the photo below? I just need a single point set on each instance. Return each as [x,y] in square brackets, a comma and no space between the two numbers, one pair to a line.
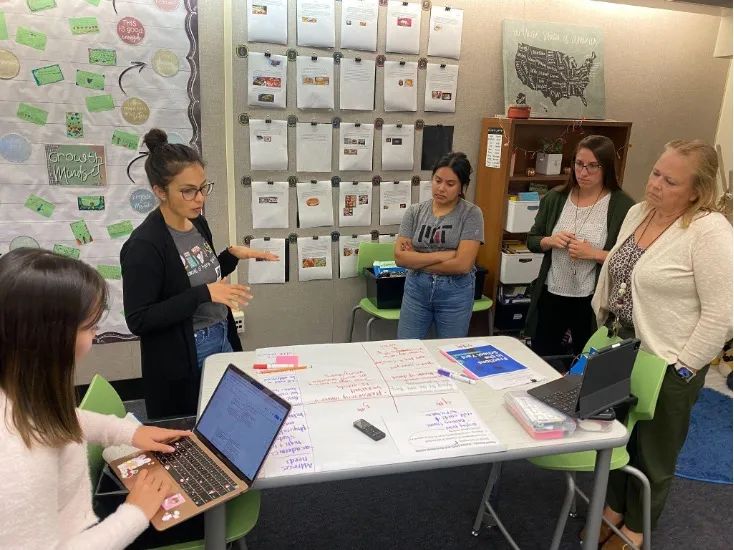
[286,360]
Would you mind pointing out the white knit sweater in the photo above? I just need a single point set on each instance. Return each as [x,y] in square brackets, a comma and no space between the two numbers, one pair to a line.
[681,289]
[46,494]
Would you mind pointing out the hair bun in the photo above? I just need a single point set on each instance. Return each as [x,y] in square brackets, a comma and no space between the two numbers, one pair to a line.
[154,139]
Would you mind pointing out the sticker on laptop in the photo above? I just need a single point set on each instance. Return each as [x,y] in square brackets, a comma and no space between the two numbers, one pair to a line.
[130,467]
[173,501]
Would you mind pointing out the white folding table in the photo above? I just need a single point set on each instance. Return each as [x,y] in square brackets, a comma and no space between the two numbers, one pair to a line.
[488,403]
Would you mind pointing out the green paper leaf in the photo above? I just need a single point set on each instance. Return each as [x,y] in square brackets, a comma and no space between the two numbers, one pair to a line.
[98,56]
[47,75]
[31,38]
[98,103]
[121,229]
[125,139]
[68,251]
[113,272]
[29,113]
[87,79]
[3,27]
[84,25]
[38,5]
[39,205]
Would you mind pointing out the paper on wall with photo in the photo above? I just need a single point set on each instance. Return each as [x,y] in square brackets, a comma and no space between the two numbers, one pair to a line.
[398,144]
[401,85]
[395,199]
[315,207]
[267,21]
[315,23]
[444,37]
[349,254]
[388,238]
[268,145]
[313,147]
[355,204]
[269,205]
[267,80]
[355,146]
[359,25]
[441,85]
[403,27]
[425,191]
[266,272]
[357,84]
[314,258]
[314,82]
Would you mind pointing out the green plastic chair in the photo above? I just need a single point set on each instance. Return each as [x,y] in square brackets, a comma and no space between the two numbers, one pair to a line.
[242,511]
[646,381]
[385,252]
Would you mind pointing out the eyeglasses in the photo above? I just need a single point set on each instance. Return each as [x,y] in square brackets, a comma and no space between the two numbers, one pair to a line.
[591,168]
[190,193]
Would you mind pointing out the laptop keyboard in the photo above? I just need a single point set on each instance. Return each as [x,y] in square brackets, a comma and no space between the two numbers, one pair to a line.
[564,400]
[195,472]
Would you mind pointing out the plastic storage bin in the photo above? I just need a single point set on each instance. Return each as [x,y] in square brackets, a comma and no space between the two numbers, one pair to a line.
[538,419]
[479,281]
[520,216]
[511,316]
[519,269]
[384,292]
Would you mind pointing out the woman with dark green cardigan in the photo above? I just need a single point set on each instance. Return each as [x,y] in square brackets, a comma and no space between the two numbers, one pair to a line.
[575,228]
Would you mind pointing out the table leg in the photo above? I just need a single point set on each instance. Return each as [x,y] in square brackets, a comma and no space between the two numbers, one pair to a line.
[598,496]
[215,528]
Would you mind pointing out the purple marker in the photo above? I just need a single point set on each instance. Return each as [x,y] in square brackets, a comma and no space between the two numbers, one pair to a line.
[449,374]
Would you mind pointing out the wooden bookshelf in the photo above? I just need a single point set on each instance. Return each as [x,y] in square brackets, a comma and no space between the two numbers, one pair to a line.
[494,185]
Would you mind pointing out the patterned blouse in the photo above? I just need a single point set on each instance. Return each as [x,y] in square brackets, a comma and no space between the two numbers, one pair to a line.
[621,265]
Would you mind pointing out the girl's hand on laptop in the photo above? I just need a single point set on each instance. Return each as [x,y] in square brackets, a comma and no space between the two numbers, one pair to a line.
[149,491]
[151,438]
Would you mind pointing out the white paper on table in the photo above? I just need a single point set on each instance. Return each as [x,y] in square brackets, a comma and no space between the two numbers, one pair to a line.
[403,27]
[270,355]
[270,205]
[314,258]
[398,144]
[357,84]
[263,272]
[441,84]
[266,80]
[292,451]
[391,238]
[267,21]
[355,146]
[355,204]
[313,147]
[442,433]
[359,25]
[315,206]
[349,254]
[444,37]
[268,145]
[315,23]
[401,85]
[425,191]
[315,82]
[395,200]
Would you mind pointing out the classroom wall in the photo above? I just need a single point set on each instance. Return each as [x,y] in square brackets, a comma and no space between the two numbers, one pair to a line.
[724,130]
[660,74]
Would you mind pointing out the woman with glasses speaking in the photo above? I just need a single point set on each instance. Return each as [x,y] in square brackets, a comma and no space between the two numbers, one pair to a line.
[176,296]
[575,228]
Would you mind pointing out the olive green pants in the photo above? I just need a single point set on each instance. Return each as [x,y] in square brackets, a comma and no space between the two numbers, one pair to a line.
[653,447]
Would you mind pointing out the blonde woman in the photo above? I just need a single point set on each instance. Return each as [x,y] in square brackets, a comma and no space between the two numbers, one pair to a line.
[667,281]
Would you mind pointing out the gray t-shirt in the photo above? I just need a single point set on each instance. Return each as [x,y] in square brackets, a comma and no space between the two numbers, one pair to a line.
[202,267]
[431,234]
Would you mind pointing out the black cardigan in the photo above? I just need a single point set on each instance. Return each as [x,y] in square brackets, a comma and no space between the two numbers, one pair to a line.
[159,308]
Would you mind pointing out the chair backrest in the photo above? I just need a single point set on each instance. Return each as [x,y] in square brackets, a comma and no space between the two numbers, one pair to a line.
[374,252]
[101,398]
[646,380]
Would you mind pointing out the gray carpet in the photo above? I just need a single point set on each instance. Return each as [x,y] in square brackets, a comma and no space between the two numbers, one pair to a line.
[435,510]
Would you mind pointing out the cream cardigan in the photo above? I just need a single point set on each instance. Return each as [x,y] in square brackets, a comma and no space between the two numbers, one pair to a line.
[681,289]
[46,494]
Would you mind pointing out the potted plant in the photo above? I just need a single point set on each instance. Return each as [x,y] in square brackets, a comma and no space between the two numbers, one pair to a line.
[549,161]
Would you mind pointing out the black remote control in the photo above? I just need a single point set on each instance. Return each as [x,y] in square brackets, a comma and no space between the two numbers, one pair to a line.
[368,429]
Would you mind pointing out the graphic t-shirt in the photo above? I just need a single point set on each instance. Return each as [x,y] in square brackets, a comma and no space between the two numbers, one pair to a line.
[202,267]
[432,234]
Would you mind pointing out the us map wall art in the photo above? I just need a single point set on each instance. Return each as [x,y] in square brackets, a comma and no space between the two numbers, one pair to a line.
[557,69]
[82,82]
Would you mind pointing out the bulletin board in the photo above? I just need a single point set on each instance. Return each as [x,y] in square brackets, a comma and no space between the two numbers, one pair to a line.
[83,82]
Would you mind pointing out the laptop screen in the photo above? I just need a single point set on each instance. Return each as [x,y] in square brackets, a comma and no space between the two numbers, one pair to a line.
[242,420]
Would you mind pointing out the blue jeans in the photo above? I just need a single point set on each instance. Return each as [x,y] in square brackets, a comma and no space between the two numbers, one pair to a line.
[443,300]
[211,340]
